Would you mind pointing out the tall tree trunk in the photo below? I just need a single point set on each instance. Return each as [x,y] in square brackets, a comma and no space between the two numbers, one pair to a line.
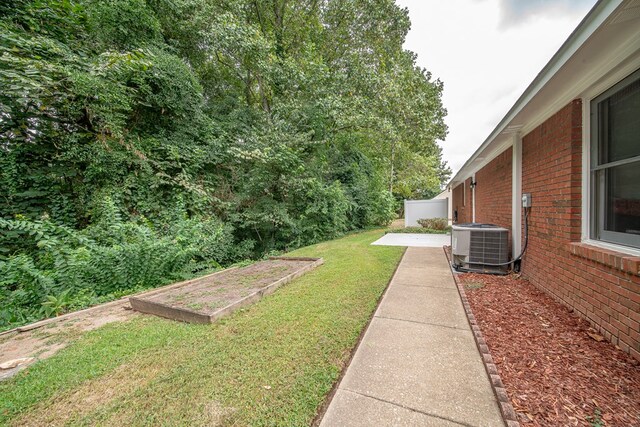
[247,88]
[266,106]
[391,172]
[278,26]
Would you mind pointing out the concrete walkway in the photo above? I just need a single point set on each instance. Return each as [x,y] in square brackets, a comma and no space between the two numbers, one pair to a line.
[417,364]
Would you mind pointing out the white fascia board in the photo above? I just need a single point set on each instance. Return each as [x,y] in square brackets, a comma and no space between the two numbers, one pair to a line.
[594,19]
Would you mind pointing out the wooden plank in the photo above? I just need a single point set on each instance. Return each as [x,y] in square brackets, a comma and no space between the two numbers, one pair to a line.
[167,311]
[123,301]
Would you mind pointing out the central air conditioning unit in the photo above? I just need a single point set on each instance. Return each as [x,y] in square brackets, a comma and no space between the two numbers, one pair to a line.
[478,247]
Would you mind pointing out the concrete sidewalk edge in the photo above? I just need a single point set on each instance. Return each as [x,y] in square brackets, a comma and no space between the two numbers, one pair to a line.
[329,397]
[421,365]
[506,408]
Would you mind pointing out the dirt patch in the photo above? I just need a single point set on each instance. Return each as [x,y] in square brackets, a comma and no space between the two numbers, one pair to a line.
[557,371]
[94,394]
[46,340]
[214,413]
[206,299]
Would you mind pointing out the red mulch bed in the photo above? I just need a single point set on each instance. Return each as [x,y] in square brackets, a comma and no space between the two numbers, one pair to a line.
[557,371]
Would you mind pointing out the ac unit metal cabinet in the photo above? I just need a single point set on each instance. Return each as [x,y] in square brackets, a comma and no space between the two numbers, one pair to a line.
[476,246]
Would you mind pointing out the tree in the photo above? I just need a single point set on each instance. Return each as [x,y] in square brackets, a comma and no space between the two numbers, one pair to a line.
[284,122]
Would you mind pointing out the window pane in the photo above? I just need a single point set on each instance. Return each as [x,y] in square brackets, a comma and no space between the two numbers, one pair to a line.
[622,204]
[620,115]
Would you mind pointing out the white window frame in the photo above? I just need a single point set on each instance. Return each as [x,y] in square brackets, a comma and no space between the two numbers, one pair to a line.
[606,83]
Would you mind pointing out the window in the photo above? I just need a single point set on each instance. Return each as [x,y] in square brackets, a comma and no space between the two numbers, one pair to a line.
[615,163]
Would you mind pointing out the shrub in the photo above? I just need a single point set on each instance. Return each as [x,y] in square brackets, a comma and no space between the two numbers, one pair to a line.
[320,212]
[434,223]
[382,209]
[58,269]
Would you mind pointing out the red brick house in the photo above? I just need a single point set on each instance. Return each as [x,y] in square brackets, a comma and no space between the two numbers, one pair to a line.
[572,140]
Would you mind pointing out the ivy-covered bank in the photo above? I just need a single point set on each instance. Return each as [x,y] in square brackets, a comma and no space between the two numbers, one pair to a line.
[145,140]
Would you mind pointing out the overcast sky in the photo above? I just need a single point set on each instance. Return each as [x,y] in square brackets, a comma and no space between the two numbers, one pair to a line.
[486,52]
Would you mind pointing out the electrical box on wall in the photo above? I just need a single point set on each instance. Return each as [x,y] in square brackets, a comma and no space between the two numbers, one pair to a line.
[526,200]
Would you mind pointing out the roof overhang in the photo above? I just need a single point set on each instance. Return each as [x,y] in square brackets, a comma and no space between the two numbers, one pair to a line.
[605,43]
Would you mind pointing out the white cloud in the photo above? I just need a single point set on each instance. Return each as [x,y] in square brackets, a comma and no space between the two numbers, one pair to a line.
[514,12]
[485,65]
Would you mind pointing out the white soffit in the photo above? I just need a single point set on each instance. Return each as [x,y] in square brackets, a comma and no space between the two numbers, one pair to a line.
[628,12]
[606,37]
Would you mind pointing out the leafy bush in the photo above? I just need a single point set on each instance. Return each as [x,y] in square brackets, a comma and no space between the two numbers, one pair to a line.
[321,212]
[434,223]
[58,268]
[212,242]
[121,23]
[382,209]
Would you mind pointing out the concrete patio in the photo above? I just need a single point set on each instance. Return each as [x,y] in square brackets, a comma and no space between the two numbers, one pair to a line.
[414,240]
[417,364]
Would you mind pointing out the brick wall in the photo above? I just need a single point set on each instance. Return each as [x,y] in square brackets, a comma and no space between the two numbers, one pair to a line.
[493,191]
[462,202]
[601,286]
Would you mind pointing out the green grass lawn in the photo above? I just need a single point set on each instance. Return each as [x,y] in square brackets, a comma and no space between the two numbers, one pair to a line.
[268,365]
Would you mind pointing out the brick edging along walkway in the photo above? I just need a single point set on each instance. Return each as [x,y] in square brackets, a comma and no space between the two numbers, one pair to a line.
[506,408]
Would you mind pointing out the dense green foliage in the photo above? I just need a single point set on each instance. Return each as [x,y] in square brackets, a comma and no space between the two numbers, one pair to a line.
[267,123]
[66,269]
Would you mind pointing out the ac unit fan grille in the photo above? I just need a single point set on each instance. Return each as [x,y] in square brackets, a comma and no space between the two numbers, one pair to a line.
[488,247]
